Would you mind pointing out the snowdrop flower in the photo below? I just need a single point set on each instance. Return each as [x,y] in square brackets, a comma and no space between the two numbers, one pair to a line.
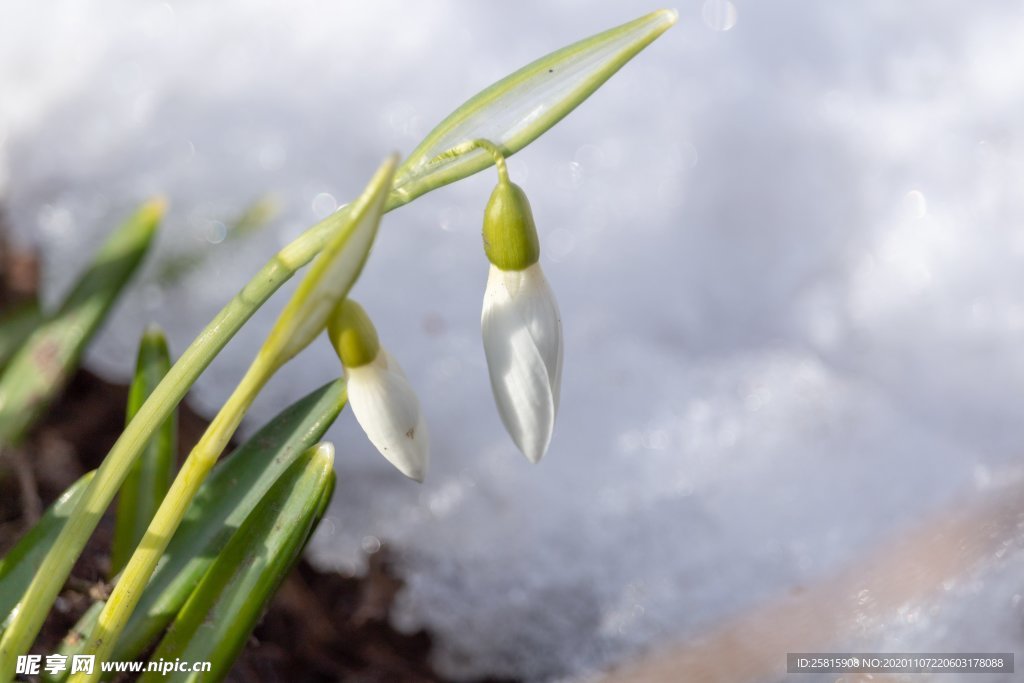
[383,402]
[522,330]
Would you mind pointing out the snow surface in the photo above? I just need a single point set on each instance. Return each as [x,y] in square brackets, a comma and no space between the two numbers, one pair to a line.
[786,240]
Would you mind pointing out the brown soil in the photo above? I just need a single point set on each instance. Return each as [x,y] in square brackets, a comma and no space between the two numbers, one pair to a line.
[320,627]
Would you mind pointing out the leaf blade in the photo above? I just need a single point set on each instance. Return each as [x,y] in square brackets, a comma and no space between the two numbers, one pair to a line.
[150,476]
[22,561]
[224,501]
[46,360]
[215,623]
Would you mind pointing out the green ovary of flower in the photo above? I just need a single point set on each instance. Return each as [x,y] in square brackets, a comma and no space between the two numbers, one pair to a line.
[353,335]
[510,235]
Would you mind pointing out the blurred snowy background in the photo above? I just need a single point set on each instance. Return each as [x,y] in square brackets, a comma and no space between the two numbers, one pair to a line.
[787,242]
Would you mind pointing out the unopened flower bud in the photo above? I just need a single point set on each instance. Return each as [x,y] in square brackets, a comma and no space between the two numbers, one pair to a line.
[380,395]
[520,323]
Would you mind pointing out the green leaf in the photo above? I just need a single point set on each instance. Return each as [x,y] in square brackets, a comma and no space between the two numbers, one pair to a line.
[215,623]
[20,563]
[221,505]
[40,368]
[516,110]
[224,501]
[15,327]
[72,643]
[150,477]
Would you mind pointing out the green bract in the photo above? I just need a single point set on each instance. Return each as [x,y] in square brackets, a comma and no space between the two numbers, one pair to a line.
[516,110]
[332,274]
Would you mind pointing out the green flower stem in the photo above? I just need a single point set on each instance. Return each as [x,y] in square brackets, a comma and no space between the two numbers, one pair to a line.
[510,235]
[497,155]
[140,567]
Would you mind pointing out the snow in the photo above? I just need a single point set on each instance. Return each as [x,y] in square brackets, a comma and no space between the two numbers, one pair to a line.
[786,241]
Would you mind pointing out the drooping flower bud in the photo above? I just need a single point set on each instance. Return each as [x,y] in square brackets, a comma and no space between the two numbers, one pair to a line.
[521,326]
[380,395]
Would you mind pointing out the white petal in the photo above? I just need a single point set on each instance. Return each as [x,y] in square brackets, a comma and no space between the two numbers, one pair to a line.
[388,411]
[522,334]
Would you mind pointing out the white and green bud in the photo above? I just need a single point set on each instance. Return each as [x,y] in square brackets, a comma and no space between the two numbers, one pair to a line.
[379,392]
[520,323]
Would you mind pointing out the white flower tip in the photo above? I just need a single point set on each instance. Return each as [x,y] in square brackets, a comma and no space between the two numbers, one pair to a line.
[535,452]
[412,454]
[388,411]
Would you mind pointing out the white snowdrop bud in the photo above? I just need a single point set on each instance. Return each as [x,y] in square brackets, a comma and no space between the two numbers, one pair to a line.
[522,330]
[382,400]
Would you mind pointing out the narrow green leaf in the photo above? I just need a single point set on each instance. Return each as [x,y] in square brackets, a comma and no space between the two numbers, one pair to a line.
[150,477]
[226,498]
[516,110]
[16,326]
[222,504]
[72,643]
[220,614]
[21,562]
[39,369]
